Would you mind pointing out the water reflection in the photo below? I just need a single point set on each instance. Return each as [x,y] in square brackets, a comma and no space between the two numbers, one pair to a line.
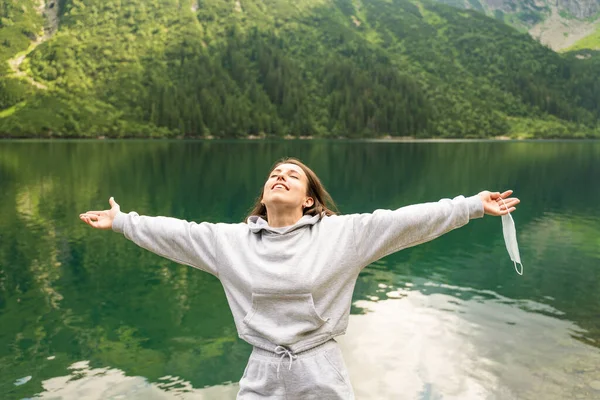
[89,383]
[477,346]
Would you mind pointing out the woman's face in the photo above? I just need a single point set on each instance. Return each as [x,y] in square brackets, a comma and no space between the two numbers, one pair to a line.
[287,186]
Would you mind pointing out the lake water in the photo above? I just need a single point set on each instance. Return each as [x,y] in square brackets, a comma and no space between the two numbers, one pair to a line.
[85,314]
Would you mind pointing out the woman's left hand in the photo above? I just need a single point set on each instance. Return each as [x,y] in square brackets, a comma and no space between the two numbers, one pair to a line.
[493,204]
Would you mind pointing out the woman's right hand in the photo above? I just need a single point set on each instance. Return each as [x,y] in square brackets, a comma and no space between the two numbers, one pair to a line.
[101,219]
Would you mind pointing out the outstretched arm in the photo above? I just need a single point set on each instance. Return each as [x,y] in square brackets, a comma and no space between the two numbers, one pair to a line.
[184,242]
[386,231]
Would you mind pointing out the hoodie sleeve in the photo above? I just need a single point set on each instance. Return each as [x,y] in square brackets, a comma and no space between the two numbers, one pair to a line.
[386,231]
[181,241]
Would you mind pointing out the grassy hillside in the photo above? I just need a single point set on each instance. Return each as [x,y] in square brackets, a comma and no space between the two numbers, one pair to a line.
[592,42]
[369,68]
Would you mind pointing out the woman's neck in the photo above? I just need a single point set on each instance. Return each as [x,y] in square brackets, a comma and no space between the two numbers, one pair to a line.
[282,219]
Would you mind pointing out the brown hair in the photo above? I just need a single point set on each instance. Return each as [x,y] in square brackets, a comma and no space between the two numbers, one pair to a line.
[323,203]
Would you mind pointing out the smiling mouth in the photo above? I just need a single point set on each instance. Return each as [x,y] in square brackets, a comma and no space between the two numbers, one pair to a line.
[279,185]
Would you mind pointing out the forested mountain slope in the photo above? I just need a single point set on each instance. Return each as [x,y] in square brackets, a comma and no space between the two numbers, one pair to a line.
[139,68]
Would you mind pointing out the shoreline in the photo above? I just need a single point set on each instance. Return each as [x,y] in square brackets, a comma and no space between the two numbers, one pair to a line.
[400,139]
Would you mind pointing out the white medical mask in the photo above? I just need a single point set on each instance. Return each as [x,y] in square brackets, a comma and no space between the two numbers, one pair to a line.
[510,239]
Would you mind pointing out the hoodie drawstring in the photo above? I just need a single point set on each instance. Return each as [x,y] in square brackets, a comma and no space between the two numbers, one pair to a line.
[284,352]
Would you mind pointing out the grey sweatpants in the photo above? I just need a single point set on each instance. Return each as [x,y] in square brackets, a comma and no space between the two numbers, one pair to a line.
[317,373]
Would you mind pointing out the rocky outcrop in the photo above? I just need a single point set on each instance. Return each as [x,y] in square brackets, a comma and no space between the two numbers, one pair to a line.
[49,10]
[579,8]
[558,24]
[560,33]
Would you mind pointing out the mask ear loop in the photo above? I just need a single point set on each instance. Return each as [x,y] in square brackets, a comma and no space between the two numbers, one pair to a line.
[521,264]
[513,221]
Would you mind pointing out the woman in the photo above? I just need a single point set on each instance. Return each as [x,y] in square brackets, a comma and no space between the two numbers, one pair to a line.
[289,271]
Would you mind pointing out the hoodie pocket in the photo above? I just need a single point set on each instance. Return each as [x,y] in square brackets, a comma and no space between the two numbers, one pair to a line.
[284,319]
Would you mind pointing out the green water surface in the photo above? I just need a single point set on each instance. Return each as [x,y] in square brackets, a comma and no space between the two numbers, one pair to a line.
[86,314]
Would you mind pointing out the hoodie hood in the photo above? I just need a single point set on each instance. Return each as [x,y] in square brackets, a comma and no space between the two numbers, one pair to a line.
[256,224]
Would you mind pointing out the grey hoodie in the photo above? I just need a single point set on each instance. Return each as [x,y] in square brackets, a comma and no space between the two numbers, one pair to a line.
[293,286]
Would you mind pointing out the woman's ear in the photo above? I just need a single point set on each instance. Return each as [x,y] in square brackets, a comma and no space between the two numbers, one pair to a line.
[308,202]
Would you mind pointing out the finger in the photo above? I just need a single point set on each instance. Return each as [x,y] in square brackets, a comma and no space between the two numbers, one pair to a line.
[91,216]
[92,223]
[508,203]
[502,201]
[112,202]
[499,196]
[93,212]
[510,210]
